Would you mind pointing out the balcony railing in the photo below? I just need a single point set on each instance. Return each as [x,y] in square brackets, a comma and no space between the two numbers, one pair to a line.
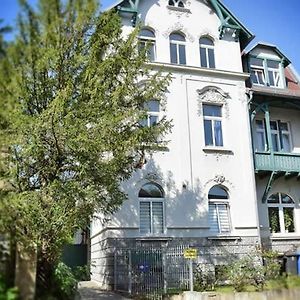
[281,162]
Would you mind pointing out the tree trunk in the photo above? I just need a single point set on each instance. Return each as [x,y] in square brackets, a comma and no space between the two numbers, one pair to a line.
[25,280]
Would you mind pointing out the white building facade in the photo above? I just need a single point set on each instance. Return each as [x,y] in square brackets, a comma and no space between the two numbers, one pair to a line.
[201,190]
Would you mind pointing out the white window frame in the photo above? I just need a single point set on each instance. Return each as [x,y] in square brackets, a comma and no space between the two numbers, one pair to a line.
[281,207]
[151,201]
[276,79]
[208,62]
[217,203]
[279,133]
[177,44]
[213,120]
[149,40]
[176,3]
[256,70]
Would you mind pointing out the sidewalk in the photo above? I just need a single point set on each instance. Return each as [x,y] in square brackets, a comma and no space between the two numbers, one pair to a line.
[89,290]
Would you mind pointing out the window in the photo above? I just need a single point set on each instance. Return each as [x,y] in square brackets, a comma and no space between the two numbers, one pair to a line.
[212,115]
[177,49]
[153,109]
[151,197]
[281,213]
[280,134]
[147,39]
[207,55]
[265,72]
[176,3]
[218,210]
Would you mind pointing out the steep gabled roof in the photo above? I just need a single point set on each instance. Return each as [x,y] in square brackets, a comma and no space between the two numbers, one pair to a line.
[227,18]
[274,48]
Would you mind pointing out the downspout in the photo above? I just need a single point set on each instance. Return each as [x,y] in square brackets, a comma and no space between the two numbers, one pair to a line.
[249,95]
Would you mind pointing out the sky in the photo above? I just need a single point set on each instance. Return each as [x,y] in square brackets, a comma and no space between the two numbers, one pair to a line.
[273,21]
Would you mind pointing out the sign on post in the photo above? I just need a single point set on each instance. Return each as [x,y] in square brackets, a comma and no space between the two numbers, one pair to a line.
[190,253]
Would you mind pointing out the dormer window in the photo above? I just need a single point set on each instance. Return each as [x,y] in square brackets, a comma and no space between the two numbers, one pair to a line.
[265,72]
[176,3]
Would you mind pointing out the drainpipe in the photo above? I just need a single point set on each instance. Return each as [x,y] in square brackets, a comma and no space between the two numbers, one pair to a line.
[249,95]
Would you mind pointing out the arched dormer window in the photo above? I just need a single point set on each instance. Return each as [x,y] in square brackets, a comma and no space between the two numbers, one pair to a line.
[176,3]
[151,198]
[218,202]
[147,40]
[281,213]
[177,48]
[207,53]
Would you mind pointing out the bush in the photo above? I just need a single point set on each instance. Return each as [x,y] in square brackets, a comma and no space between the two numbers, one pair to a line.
[204,280]
[272,265]
[65,281]
[7,293]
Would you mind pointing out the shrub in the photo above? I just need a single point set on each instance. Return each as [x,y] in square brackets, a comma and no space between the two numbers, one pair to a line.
[204,280]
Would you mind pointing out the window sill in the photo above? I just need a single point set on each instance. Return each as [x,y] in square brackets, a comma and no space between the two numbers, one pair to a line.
[284,236]
[224,237]
[179,9]
[154,238]
[217,149]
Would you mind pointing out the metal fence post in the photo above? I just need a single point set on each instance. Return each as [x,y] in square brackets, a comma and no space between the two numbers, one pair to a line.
[129,273]
[164,269]
[115,271]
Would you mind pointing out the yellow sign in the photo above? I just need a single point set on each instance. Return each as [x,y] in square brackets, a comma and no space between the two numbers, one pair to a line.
[190,253]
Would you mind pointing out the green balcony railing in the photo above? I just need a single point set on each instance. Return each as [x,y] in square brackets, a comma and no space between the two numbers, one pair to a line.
[281,162]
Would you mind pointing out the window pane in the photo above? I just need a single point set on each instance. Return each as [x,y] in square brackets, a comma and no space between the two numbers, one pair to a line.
[152,106]
[177,37]
[274,198]
[260,141]
[218,133]
[256,61]
[145,219]
[143,122]
[260,76]
[217,192]
[286,199]
[213,217]
[151,52]
[273,125]
[208,133]
[286,146]
[153,120]
[271,78]
[180,4]
[182,59]
[253,77]
[284,126]
[212,110]
[211,58]
[273,213]
[173,53]
[273,64]
[203,57]
[147,33]
[223,218]
[151,190]
[275,142]
[206,41]
[259,124]
[288,214]
[157,217]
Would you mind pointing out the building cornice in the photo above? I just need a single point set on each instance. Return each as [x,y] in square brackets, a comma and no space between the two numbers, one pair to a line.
[199,70]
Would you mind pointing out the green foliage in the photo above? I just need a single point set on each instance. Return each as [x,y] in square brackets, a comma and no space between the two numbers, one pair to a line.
[65,281]
[204,280]
[72,93]
[7,293]
[82,273]
[272,265]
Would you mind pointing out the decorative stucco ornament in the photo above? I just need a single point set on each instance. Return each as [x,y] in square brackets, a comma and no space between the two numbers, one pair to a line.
[178,27]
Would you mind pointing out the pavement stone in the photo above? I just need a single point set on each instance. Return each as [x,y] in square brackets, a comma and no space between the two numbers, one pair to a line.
[90,290]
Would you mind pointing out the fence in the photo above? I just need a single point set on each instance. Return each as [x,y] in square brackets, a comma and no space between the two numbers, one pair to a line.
[150,272]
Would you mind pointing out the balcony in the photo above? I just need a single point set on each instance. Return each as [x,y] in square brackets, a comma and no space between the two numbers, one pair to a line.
[277,162]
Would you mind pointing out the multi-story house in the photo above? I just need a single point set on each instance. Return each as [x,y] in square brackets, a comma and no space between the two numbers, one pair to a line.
[204,190]
[274,95]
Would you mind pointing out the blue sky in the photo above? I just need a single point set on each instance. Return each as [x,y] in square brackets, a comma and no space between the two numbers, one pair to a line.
[273,21]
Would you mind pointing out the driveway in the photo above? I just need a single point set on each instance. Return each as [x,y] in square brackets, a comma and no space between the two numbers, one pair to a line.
[90,290]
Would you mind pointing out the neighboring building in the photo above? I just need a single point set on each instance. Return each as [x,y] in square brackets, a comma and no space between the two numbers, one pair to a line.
[204,191]
[275,117]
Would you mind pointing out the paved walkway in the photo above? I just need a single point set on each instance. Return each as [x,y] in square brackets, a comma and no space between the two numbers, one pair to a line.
[90,290]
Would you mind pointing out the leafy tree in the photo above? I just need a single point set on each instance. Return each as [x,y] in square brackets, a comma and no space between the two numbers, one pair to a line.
[3,44]
[73,91]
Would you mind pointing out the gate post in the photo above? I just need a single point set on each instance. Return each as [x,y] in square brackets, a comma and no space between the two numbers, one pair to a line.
[129,273]
[115,271]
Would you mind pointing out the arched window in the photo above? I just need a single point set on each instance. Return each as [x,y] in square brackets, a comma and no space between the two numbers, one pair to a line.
[176,3]
[219,220]
[147,40]
[151,197]
[281,213]
[207,53]
[177,48]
